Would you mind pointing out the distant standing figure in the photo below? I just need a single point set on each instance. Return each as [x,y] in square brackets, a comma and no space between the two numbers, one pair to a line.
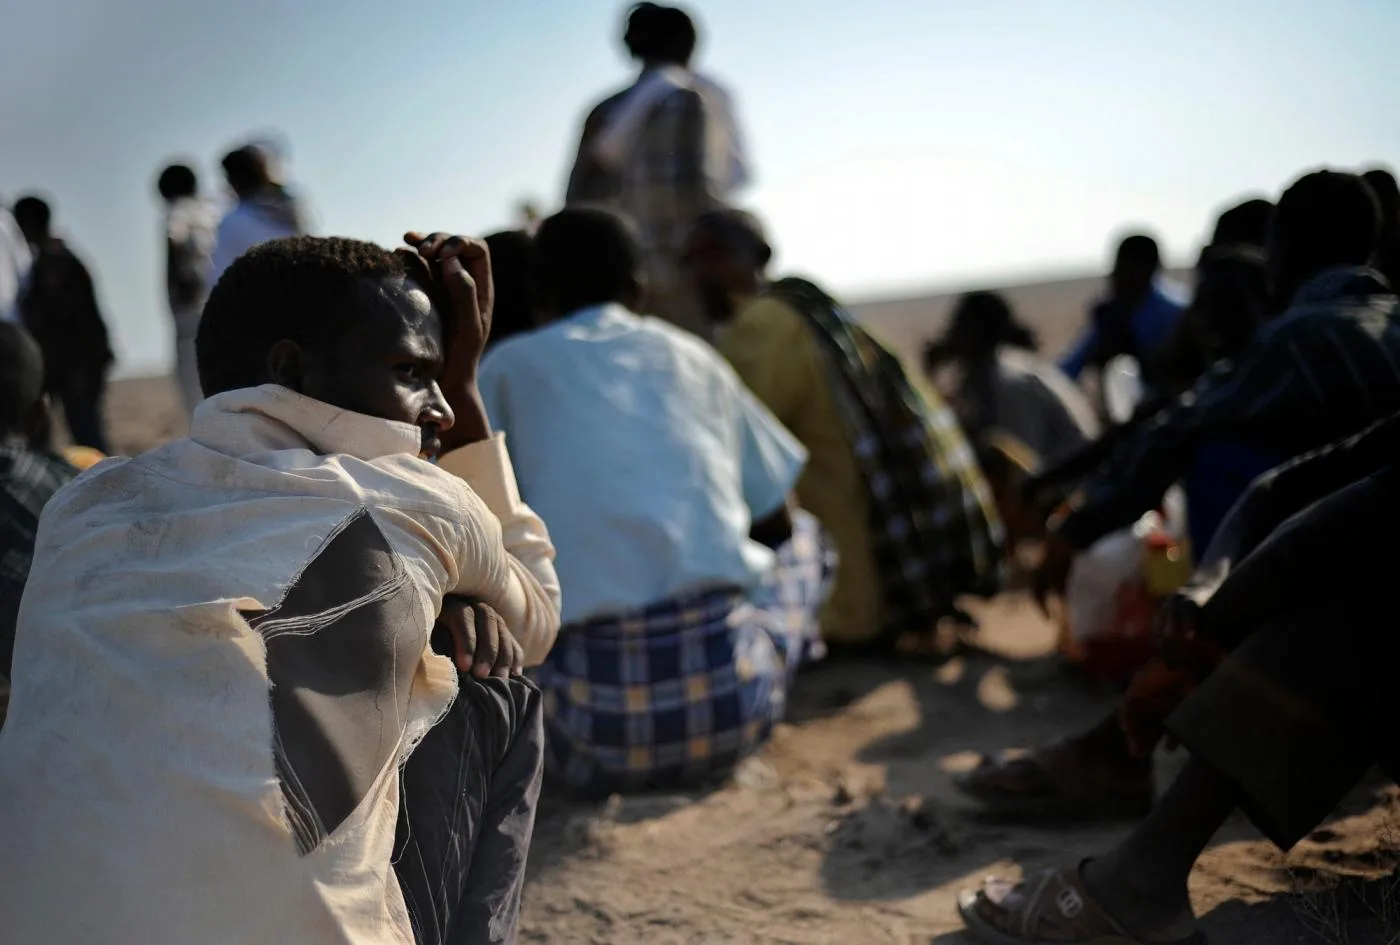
[1006,385]
[662,152]
[266,210]
[59,307]
[1137,318]
[189,248]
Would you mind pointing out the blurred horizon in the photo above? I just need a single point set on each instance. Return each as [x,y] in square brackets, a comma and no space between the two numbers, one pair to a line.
[906,146]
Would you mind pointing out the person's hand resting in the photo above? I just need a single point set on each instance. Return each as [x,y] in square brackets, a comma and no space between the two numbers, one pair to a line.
[462,266]
[481,644]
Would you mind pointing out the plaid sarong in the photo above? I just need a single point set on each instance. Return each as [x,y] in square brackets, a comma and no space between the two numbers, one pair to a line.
[681,691]
[934,525]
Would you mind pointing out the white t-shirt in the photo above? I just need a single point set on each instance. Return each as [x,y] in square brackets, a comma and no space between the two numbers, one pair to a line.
[15,260]
[222,659]
[645,452]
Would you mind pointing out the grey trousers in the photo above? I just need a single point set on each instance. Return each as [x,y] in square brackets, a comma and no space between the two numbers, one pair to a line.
[467,813]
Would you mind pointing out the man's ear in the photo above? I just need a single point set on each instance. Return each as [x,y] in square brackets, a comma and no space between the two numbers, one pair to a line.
[286,365]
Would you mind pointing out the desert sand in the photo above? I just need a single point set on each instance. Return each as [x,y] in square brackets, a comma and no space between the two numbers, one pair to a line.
[847,830]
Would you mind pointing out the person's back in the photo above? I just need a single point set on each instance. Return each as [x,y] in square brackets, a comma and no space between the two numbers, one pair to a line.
[265,209]
[222,658]
[691,582]
[60,309]
[661,152]
[625,432]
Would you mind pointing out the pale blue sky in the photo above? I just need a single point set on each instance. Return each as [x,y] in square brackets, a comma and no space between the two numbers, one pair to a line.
[898,144]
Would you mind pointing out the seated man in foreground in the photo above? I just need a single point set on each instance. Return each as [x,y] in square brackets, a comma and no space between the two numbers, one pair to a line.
[1324,369]
[692,592]
[1295,588]
[890,474]
[223,653]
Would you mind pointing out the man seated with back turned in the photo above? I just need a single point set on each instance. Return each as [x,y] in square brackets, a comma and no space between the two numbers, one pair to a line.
[692,592]
[890,475]
[223,656]
[1325,368]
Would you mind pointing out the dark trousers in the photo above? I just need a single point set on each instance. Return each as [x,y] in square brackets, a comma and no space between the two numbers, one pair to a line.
[1304,706]
[467,814]
[83,413]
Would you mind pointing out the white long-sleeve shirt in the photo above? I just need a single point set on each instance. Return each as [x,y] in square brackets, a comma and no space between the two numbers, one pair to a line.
[222,659]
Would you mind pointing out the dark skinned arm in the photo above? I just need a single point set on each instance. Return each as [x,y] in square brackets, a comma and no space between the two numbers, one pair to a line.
[775,530]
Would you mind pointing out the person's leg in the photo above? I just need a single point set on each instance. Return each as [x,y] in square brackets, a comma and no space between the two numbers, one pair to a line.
[1283,729]
[467,814]
[186,365]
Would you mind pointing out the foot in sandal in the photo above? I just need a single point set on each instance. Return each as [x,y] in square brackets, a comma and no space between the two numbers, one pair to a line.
[1058,908]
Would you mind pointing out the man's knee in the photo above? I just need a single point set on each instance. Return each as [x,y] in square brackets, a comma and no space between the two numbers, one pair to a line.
[506,714]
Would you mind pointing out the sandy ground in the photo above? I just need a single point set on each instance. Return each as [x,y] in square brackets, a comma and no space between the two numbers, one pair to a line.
[847,830]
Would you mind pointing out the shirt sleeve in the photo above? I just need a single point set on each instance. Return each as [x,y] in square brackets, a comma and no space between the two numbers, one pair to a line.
[1269,389]
[526,592]
[770,457]
[1077,359]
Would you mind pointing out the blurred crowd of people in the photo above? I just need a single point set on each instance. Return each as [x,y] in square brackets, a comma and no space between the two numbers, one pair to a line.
[344,586]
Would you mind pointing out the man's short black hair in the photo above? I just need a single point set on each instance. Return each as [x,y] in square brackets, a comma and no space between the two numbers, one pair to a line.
[1244,224]
[176,181]
[246,168]
[21,377]
[586,256]
[307,289]
[1327,218]
[1138,249]
[33,214]
[657,33]
[515,272]
[738,229]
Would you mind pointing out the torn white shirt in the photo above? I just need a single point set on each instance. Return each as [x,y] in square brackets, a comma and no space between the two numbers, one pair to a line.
[222,659]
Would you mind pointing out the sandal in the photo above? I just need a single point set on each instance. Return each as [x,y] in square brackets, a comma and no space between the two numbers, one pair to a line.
[1057,783]
[1053,908]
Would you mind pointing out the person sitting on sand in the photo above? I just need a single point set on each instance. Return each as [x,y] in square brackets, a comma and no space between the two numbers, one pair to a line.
[1004,385]
[1137,318]
[29,473]
[1325,368]
[223,655]
[891,476]
[692,590]
[1281,729]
